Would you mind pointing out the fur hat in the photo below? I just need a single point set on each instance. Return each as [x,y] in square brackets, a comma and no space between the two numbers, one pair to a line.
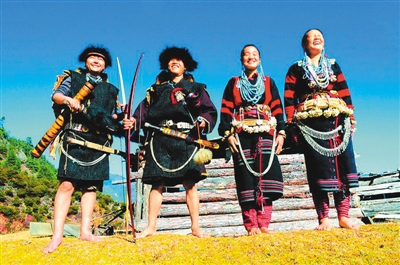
[177,53]
[99,51]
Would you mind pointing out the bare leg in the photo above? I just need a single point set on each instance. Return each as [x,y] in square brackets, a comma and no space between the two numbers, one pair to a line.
[62,202]
[342,204]
[345,222]
[155,201]
[88,201]
[321,202]
[192,201]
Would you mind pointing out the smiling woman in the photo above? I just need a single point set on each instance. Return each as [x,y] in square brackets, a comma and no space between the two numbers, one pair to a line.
[326,127]
[253,127]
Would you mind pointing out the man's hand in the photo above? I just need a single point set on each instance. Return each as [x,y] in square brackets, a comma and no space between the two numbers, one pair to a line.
[128,123]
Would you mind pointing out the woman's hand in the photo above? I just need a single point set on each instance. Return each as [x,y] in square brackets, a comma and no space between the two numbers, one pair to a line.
[279,144]
[232,144]
[128,123]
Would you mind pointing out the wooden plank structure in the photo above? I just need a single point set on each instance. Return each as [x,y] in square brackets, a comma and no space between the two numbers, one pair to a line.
[47,229]
[220,213]
[380,196]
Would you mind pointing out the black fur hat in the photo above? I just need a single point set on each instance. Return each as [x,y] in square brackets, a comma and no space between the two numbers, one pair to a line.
[103,52]
[177,53]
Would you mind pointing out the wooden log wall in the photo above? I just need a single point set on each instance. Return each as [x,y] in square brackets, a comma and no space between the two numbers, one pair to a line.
[220,212]
[380,195]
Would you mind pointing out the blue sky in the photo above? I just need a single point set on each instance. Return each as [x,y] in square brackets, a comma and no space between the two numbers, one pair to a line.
[39,39]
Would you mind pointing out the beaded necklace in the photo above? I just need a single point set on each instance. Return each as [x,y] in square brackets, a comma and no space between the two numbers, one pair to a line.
[320,75]
[249,92]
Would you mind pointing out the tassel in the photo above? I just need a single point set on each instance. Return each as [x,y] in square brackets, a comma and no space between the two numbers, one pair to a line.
[53,147]
[203,156]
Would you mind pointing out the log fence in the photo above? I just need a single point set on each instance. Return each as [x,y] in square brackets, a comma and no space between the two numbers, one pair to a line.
[220,213]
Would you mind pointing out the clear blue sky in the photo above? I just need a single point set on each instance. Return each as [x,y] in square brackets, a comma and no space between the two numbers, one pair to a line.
[39,39]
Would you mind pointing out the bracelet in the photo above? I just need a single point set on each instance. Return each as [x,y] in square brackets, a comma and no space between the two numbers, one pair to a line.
[283,133]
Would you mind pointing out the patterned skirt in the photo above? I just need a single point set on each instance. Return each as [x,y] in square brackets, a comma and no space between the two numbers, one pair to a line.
[329,173]
[256,149]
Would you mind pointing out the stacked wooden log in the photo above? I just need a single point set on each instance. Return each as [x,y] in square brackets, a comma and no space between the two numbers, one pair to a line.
[220,213]
[380,196]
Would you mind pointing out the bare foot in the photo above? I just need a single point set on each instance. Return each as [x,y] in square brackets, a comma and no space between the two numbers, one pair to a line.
[345,222]
[324,224]
[199,233]
[146,232]
[253,231]
[90,237]
[53,245]
[266,230]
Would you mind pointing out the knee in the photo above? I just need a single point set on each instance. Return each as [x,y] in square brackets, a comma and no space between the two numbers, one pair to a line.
[66,186]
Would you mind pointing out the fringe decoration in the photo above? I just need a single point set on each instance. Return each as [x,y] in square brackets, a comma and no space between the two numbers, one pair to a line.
[203,156]
[54,146]
[309,133]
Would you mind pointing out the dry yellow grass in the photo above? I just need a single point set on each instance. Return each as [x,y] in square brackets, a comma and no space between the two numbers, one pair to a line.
[372,244]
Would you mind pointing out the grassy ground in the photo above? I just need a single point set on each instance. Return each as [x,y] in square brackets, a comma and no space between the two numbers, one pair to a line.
[372,244]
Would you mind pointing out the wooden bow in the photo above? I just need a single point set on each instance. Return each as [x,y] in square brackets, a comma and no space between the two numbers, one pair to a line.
[128,146]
